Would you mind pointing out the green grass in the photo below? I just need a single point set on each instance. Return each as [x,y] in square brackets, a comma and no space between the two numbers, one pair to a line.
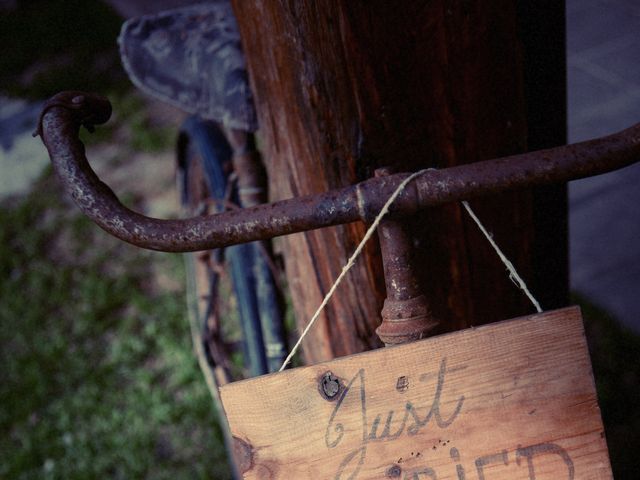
[98,376]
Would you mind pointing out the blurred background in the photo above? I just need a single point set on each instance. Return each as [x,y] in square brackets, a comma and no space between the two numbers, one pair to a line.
[98,377]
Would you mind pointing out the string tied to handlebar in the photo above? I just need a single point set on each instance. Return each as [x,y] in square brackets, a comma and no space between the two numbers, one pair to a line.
[513,274]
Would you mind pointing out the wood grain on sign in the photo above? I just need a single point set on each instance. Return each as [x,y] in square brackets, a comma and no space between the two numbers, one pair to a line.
[511,400]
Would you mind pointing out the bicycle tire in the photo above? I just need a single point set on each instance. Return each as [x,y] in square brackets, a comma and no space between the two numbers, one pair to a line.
[204,159]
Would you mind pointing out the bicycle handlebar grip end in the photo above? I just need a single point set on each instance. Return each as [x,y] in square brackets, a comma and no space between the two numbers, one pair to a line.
[87,109]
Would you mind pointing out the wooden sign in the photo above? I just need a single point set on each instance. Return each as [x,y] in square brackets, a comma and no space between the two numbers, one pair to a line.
[511,400]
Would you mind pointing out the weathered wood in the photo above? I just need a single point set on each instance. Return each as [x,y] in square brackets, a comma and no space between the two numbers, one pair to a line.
[345,87]
[513,400]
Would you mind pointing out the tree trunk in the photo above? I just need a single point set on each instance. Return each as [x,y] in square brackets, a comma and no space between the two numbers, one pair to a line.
[345,87]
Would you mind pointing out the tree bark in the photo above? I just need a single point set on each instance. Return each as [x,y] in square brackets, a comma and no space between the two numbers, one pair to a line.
[345,87]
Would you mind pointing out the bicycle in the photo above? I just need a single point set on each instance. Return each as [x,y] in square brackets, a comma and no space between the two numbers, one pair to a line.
[348,204]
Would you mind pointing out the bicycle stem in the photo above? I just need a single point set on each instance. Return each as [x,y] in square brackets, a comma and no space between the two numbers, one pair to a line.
[66,112]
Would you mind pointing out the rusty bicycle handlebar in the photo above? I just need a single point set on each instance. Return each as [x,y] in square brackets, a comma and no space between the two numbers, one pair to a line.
[66,112]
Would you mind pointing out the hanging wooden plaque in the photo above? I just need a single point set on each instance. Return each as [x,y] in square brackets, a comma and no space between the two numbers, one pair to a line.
[511,400]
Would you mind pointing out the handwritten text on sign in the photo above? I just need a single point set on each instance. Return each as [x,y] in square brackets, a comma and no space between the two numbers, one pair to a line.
[513,400]
[409,422]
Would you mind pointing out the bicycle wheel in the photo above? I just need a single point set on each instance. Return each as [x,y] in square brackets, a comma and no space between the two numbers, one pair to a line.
[205,164]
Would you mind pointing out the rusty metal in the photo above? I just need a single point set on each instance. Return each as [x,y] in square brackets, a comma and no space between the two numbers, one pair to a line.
[405,314]
[249,169]
[66,112]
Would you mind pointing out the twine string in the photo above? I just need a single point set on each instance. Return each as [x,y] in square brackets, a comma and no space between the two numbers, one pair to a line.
[350,263]
[513,274]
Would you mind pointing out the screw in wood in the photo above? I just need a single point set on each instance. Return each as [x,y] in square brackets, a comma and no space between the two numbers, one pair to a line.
[329,386]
